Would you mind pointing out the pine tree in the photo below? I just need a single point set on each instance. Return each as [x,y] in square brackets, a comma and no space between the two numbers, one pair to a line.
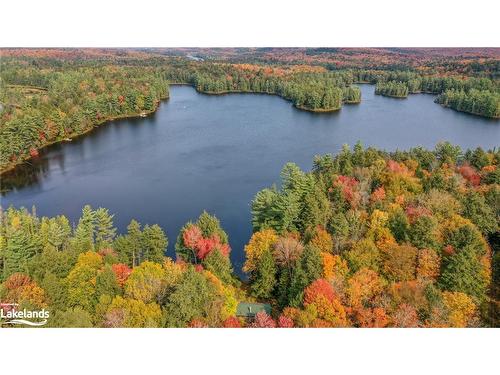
[308,268]
[220,266]
[479,212]
[55,231]
[55,290]
[210,226]
[312,263]
[105,232]
[134,243]
[399,225]
[463,272]
[283,287]
[154,244]
[19,249]
[344,161]
[84,233]
[264,277]
[264,212]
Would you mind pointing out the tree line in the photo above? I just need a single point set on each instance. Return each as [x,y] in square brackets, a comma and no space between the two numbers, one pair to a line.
[308,91]
[392,88]
[479,96]
[479,102]
[430,84]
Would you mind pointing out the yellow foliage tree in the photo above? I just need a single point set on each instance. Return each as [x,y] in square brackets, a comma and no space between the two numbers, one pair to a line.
[82,279]
[461,308]
[428,264]
[261,241]
[227,294]
[331,311]
[322,240]
[378,230]
[131,313]
[333,266]
[146,282]
[173,272]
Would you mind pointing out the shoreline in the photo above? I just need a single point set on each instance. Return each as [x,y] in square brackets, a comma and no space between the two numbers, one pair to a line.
[469,113]
[393,96]
[318,110]
[302,108]
[12,166]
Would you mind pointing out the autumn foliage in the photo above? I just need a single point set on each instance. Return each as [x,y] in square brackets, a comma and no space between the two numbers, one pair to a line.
[366,239]
[203,246]
[122,272]
[318,288]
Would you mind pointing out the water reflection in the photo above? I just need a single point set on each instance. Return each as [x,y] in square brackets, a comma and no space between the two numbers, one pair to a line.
[29,173]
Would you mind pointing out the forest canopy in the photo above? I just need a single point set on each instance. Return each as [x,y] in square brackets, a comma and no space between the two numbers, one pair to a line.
[366,239]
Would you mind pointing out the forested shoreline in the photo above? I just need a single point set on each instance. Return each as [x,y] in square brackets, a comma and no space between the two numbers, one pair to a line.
[478,96]
[47,100]
[68,104]
[392,89]
[477,102]
[366,239]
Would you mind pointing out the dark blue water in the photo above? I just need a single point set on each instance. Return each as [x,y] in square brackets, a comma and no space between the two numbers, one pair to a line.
[201,152]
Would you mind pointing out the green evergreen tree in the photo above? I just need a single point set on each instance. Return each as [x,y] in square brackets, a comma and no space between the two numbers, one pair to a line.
[55,290]
[130,246]
[18,251]
[312,263]
[105,232]
[447,153]
[85,231]
[192,298]
[154,242]
[264,210]
[263,280]
[463,272]
[55,231]
[475,208]
[106,283]
[293,280]
[423,233]
[220,266]
[399,225]
[210,225]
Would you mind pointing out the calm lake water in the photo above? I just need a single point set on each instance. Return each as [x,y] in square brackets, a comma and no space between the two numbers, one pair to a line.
[201,152]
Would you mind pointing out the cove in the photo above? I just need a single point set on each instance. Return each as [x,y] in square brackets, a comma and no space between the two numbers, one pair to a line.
[214,152]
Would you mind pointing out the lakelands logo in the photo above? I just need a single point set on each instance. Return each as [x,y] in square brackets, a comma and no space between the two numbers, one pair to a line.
[9,314]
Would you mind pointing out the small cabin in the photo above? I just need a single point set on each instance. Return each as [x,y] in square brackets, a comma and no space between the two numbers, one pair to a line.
[248,310]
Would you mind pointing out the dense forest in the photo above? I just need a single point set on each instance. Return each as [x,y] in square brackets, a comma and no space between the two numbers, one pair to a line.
[479,102]
[479,96]
[366,239]
[392,88]
[311,89]
[46,105]
[47,96]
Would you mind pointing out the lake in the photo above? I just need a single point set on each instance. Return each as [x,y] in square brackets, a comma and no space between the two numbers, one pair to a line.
[201,152]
